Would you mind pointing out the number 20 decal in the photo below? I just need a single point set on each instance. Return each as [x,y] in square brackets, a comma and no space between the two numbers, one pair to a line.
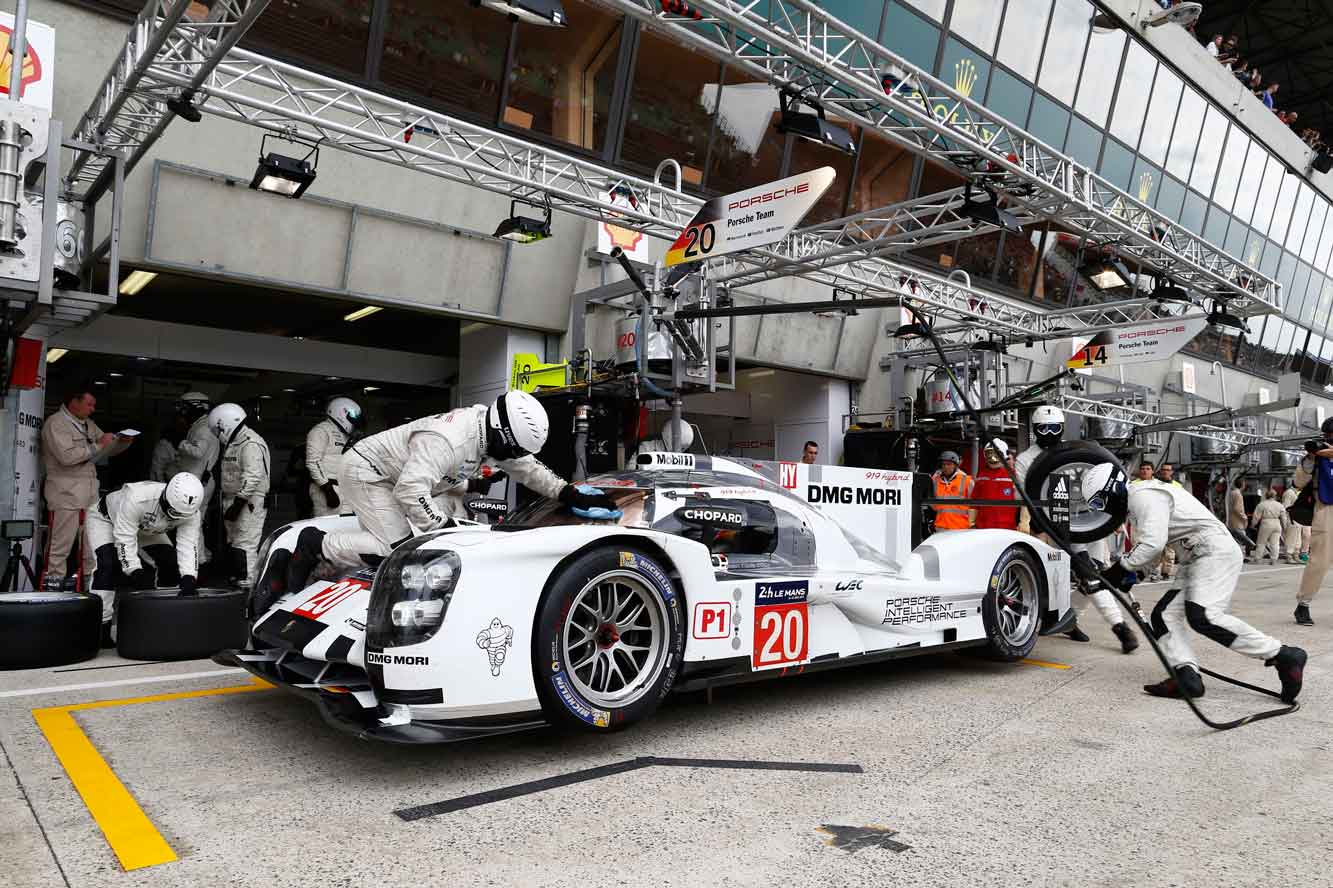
[781,635]
[701,239]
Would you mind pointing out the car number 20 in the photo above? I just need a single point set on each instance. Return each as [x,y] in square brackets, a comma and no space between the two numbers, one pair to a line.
[781,635]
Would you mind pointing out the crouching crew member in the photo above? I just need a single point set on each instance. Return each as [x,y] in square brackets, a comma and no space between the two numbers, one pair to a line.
[1163,515]
[245,479]
[137,517]
[390,480]
[324,447]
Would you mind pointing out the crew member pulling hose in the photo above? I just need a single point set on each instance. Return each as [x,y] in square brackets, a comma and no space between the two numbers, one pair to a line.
[1094,576]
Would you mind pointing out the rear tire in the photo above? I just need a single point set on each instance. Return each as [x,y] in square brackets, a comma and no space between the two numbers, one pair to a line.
[608,640]
[40,629]
[162,624]
[1013,606]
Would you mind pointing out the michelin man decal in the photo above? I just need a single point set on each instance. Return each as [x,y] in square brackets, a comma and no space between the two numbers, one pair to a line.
[494,639]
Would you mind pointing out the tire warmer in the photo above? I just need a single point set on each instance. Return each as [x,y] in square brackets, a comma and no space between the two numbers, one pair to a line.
[1127,600]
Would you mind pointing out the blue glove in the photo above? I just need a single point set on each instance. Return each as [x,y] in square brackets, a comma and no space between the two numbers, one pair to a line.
[587,501]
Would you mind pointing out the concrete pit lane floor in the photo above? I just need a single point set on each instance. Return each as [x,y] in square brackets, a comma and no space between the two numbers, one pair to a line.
[972,773]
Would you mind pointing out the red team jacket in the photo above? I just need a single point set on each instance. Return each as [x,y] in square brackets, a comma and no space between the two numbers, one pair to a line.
[995,484]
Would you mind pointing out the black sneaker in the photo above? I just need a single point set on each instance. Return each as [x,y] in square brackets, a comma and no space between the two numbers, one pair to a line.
[1303,617]
[1077,634]
[1129,642]
[1186,683]
[309,550]
[1290,665]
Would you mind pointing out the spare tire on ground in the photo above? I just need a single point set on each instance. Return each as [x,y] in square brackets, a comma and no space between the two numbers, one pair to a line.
[48,628]
[162,624]
[1072,459]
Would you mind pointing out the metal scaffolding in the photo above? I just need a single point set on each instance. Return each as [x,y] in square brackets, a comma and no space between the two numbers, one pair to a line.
[795,45]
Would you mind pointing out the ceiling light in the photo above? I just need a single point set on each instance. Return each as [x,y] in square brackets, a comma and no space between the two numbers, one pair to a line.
[370,388]
[265,397]
[142,358]
[989,212]
[136,281]
[812,126]
[290,390]
[1165,291]
[1106,275]
[280,174]
[363,313]
[524,229]
[99,382]
[991,345]
[183,106]
[55,354]
[115,375]
[534,12]
[333,378]
[1220,317]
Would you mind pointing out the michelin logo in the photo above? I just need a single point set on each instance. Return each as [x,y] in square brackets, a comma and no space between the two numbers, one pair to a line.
[494,640]
[375,659]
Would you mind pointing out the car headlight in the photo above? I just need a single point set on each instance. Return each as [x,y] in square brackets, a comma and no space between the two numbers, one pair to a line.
[410,596]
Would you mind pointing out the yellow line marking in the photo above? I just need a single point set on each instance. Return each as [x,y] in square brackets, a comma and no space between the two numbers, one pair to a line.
[1045,664]
[129,832]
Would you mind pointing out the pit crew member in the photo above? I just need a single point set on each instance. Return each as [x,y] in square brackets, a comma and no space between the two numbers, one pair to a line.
[324,446]
[245,481]
[994,482]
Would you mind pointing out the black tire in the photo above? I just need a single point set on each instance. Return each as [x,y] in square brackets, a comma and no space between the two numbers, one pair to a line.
[162,624]
[587,698]
[40,629]
[1013,621]
[1085,526]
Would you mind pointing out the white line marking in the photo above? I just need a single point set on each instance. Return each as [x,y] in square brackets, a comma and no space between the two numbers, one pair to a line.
[121,682]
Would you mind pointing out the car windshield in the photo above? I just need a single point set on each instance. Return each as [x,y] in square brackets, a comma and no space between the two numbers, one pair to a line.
[550,513]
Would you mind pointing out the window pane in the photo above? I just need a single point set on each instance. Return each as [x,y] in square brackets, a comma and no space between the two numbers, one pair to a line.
[1009,97]
[977,22]
[932,8]
[1272,256]
[964,69]
[1048,122]
[1084,142]
[451,54]
[330,33]
[1266,197]
[910,37]
[1189,121]
[1020,43]
[1161,115]
[1191,214]
[1282,212]
[561,81]
[1094,92]
[1237,239]
[863,15]
[1131,103]
[883,176]
[1300,217]
[1018,259]
[1323,306]
[671,111]
[747,150]
[1294,300]
[1313,229]
[1251,178]
[1210,147]
[1070,22]
[1321,256]
[1215,229]
[1170,193]
[1145,182]
[1117,164]
[1233,165]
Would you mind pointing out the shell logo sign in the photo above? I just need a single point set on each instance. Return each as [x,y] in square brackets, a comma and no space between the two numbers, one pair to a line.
[32,64]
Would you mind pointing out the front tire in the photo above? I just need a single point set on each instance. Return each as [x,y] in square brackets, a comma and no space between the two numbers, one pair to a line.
[1012,607]
[608,640]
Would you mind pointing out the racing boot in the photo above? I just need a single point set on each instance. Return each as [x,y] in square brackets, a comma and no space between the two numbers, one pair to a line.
[1077,634]
[1129,642]
[309,549]
[1303,617]
[1186,683]
[1290,665]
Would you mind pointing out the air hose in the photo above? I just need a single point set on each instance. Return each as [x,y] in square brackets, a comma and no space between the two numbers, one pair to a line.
[1125,599]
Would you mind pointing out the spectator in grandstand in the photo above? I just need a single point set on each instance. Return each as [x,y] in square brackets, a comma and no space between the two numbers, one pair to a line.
[1230,53]
[1214,46]
[1267,97]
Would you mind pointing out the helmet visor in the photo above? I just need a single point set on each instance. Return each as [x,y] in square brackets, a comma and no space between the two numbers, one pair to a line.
[168,510]
[1049,428]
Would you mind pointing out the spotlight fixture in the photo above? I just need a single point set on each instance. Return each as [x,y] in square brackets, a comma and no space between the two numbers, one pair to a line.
[363,313]
[1165,291]
[999,346]
[523,229]
[183,106]
[136,281]
[1220,317]
[55,354]
[1106,275]
[280,174]
[811,125]
[548,13]
[918,326]
[988,212]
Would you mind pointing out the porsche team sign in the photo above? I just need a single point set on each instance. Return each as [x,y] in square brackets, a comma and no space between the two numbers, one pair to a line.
[752,218]
[1139,344]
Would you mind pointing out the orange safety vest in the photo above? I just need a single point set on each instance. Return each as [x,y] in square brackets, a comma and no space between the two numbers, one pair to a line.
[952,517]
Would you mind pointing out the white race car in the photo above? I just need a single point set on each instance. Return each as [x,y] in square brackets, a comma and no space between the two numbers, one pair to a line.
[719,571]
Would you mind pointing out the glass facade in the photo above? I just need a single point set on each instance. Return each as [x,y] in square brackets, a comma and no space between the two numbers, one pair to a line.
[607,89]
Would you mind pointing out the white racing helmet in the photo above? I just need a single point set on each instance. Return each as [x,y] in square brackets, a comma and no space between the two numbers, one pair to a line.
[1048,425]
[346,414]
[998,448]
[517,424]
[224,420]
[183,496]
[1105,489]
[194,404]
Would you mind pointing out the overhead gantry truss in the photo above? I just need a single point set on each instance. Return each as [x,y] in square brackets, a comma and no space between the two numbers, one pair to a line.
[795,45]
